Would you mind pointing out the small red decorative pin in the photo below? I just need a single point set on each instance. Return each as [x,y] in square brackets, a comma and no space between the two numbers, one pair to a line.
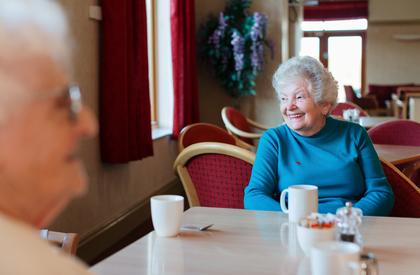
[298,162]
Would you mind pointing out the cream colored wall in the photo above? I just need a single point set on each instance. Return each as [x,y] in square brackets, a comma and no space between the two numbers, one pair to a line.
[389,60]
[264,106]
[113,188]
[392,10]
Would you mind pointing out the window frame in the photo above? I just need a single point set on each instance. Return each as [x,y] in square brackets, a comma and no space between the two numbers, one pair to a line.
[323,47]
[151,13]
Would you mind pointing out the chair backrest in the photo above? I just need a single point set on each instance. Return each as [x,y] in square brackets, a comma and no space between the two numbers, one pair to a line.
[396,132]
[350,94]
[384,92]
[214,174]
[407,194]
[232,118]
[342,106]
[202,132]
[68,242]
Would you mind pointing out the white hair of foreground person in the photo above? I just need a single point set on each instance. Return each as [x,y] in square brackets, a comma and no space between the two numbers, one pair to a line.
[30,31]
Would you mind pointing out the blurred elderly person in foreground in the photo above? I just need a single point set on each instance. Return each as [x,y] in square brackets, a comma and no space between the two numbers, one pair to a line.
[41,121]
[314,148]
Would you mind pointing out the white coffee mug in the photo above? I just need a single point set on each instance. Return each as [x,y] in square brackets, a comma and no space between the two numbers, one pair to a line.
[167,213]
[332,258]
[302,201]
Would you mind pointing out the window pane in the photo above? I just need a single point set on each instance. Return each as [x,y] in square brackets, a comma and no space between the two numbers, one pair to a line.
[355,24]
[310,46]
[312,25]
[335,25]
[345,62]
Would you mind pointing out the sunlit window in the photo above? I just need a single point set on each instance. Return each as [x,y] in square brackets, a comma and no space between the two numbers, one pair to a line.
[335,25]
[310,47]
[160,63]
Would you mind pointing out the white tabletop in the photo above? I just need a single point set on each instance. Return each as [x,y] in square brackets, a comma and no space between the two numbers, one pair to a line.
[256,242]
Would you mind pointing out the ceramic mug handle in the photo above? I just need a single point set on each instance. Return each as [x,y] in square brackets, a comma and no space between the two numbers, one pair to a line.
[283,201]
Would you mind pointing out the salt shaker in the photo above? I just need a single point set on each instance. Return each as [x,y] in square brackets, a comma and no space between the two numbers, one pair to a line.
[349,219]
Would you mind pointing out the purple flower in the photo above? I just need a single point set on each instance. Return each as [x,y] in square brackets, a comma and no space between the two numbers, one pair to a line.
[222,22]
[257,35]
[257,30]
[238,50]
[235,45]
[218,33]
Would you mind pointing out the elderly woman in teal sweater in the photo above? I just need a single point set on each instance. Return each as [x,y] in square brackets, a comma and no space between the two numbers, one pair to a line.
[314,148]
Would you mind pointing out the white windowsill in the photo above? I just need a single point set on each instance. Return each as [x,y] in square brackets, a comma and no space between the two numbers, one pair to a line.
[158,133]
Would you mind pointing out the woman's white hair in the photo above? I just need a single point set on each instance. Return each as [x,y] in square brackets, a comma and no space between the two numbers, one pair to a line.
[45,14]
[321,84]
[34,26]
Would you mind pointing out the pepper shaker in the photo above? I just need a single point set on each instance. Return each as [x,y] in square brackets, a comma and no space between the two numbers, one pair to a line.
[349,219]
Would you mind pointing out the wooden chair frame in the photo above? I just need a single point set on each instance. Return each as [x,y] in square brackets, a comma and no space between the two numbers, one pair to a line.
[232,129]
[402,175]
[410,170]
[200,149]
[68,242]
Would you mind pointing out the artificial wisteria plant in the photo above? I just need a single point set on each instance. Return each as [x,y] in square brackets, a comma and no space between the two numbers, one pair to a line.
[234,44]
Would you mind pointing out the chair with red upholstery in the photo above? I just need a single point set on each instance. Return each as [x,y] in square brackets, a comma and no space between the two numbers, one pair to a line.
[214,174]
[342,106]
[407,194]
[399,132]
[202,132]
[396,132]
[367,102]
[383,92]
[243,128]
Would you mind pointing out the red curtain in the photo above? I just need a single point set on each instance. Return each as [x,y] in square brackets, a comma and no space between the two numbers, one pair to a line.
[186,110]
[336,11]
[125,128]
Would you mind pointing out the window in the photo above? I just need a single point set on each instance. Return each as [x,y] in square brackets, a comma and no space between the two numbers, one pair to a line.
[335,25]
[340,46]
[160,63]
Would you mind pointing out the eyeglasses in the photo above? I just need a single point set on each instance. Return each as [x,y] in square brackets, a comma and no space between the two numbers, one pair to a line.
[75,101]
[70,99]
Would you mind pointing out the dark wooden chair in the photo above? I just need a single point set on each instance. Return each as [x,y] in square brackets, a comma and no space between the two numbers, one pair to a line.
[399,132]
[407,194]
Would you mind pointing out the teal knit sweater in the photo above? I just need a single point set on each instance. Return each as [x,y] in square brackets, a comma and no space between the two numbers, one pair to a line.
[339,159]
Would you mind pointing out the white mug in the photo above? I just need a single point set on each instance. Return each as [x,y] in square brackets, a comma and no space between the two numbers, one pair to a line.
[332,258]
[167,213]
[302,201]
